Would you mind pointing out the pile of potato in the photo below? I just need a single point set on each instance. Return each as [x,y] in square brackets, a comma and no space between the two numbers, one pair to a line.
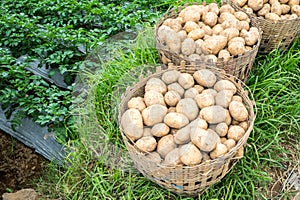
[207,32]
[274,10]
[186,119]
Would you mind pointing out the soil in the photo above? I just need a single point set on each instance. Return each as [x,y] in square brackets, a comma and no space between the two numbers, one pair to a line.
[19,165]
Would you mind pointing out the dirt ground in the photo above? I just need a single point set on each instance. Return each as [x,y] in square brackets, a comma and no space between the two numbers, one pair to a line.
[19,165]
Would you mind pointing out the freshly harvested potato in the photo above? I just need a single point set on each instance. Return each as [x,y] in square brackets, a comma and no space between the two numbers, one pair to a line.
[283,1]
[198,123]
[236,48]
[235,132]
[230,143]
[240,152]
[252,36]
[160,130]
[194,57]
[170,38]
[210,19]
[241,3]
[146,144]
[171,109]
[176,120]
[222,129]
[272,16]
[213,7]
[199,88]
[228,118]
[230,33]
[217,29]
[199,46]
[191,93]
[213,114]
[225,85]
[210,91]
[231,23]
[182,35]
[285,9]
[293,3]
[188,107]
[132,124]
[205,140]
[186,80]
[223,139]
[244,125]
[296,9]
[219,151]
[153,157]
[182,136]
[154,114]
[276,8]
[205,156]
[243,25]
[147,132]
[165,145]
[196,34]
[255,4]
[224,54]
[237,98]
[172,158]
[137,103]
[238,111]
[190,26]
[205,77]
[226,16]
[207,30]
[237,39]
[172,98]
[156,84]
[241,16]
[191,13]
[174,24]
[205,100]
[211,58]
[188,46]
[190,154]
[214,44]
[170,76]
[152,97]
[177,88]
[226,8]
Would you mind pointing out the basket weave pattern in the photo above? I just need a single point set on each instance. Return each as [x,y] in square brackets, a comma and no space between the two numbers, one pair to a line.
[275,35]
[188,180]
[239,66]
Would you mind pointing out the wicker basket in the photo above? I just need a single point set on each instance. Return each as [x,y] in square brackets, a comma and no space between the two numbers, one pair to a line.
[276,35]
[239,66]
[186,180]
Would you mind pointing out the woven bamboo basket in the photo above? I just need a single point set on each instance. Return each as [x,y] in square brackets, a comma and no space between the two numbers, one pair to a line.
[276,35]
[239,66]
[186,180]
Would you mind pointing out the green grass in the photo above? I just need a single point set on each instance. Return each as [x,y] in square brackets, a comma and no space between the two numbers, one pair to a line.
[99,167]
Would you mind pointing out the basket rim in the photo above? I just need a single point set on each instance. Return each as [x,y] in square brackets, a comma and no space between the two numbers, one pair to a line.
[251,107]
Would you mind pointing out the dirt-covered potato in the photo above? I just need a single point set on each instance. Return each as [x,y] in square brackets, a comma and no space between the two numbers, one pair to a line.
[205,140]
[132,124]
[241,3]
[226,8]
[244,125]
[191,93]
[272,16]
[154,114]
[137,103]
[241,16]
[186,80]
[165,145]
[188,107]
[190,154]
[160,130]
[172,98]
[182,136]
[170,38]
[210,19]
[152,97]
[147,132]
[176,120]
[230,33]
[146,144]
[222,129]
[176,87]
[238,111]
[205,77]
[237,98]
[190,26]
[153,157]
[213,114]
[219,151]
[196,34]
[170,76]
[156,84]
[255,4]
[210,91]
[224,54]
[174,24]
[235,132]
[205,100]
[191,13]
[225,85]
[296,9]
[172,158]
[236,48]
[214,44]
[230,143]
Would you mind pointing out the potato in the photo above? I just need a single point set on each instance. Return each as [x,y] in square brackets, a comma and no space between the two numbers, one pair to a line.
[211,58]
[198,123]
[199,88]
[205,156]
[146,144]
[190,13]
[272,16]
[170,38]
[147,132]
[172,158]
[205,100]
[152,97]
[132,124]
[231,23]
[283,1]
[237,98]
[205,77]
[186,80]
[199,46]
[243,25]
[248,48]
[177,88]
[160,130]
[205,140]
[235,132]
[241,3]
[224,54]
[188,46]
[170,76]
[273,1]
[196,34]
[226,16]
[191,93]
[237,39]
[194,57]
[176,120]
[293,3]
[213,7]
[210,19]
[293,16]
[219,151]
[230,143]
[174,24]
[190,26]
[225,85]
[188,107]
[154,114]
[156,84]
[137,103]
[217,29]
[226,8]
[255,4]
[154,157]
[214,44]
[236,48]
[165,145]
[230,33]
[223,139]
[190,155]
[296,9]
[285,9]
[251,37]
[240,152]
[244,125]
[182,136]
[241,16]
[182,35]
[172,98]
[213,114]
[276,8]
[221,129]
[210,91]
[238,111]
[228,118]
[171,109]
